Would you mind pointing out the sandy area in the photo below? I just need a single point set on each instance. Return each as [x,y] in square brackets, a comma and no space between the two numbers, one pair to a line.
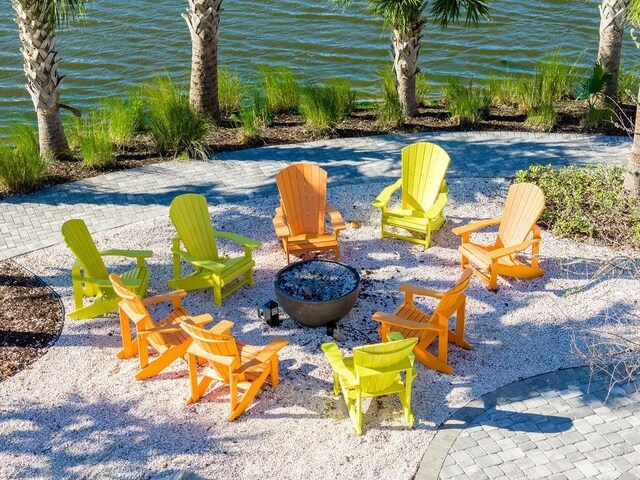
[79,413]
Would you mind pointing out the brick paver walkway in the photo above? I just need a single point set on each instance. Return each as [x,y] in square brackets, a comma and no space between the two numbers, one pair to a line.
[31,222]
[555,426]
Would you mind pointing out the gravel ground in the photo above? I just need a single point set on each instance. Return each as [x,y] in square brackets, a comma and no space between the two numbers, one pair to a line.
[78,412]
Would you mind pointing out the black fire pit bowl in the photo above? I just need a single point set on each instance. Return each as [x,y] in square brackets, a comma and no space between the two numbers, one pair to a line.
[316,313]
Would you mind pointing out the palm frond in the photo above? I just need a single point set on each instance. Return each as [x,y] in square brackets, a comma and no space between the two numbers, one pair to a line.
[59,13]
[447,11]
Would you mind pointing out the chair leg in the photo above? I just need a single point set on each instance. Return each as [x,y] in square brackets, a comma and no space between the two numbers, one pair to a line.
[273,371]
[129,345]
[336,384]
[249,280]
[217,295]
[464,261]
[162,362]
[493,278]
[431,361]
[458,336]
[248,397]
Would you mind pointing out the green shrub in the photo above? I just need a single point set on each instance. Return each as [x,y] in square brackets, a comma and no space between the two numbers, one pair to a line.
[390,113]
[21,166]
[468,105]
[592,90]
[281,89]
[542,117]
[508,90]
[260,107]
[558,77]
[324,106]
[628,83]
[423,87]
[249,124]
[73,128]
[96,147]
[125,117]
[587,202]
[174,125]
[230,92]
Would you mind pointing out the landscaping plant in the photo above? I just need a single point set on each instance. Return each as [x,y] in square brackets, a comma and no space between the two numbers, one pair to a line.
[230,92]
[423,87]
[324,106]
[593,92]
[390,113]
[174,125]
[21,165]
[281,89]
[125,118]
[94,142]
[587,202]
[468,105]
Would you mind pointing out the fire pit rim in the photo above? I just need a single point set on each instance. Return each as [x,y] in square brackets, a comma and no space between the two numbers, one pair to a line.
[300,262]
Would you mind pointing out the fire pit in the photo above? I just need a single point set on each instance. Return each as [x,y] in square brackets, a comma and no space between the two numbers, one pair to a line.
[317,293]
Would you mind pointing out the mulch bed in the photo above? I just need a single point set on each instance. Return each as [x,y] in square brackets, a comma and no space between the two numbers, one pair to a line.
[290,128]
[30,319]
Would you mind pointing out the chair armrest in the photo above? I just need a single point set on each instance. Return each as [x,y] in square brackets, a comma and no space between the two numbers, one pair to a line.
[221,328]
[384,197]
[400,322]
[202,319]
[473,226]
[279,224]
[502,252]
[100,282]
[239,239]
[420,291]
[165,297]
[337,223]
[271,349]
[127,253]
[164,329]
[200,262]
[336,360]
[438,205]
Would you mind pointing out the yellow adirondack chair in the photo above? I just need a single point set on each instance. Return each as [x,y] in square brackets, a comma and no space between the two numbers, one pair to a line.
[190,216]
[525,203]
[165,336]
[424,193]
[89,274]
[373,371]
[300,219]
[412,322]
[242,367]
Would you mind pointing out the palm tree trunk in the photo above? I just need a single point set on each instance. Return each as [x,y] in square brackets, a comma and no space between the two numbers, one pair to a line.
[632,177]
[406,51]
[612,18]
[203,19]
[41,69]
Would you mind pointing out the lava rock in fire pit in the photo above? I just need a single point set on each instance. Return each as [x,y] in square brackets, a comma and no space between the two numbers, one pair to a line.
[317,292]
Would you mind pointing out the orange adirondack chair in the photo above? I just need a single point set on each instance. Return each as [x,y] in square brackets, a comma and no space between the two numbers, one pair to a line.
[165,336]
[525,203]
[242,367]
[300,219]
[410,322]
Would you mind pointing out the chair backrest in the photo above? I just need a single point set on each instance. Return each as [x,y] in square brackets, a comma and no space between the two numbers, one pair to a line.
[132,306]
[214,348]
[525,203]
[189,214]
[424,166]
[377,365]
[450,301]
[77,237]
[303,194]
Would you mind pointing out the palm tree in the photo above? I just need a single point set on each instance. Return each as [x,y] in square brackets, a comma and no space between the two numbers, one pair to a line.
[613,15]
[407,18]
[632,177]
[38,21]
[203,19]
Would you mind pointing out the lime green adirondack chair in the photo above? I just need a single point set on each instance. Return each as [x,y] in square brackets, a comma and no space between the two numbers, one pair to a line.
[190,216]
[424,193]
[373,371]
[89,275]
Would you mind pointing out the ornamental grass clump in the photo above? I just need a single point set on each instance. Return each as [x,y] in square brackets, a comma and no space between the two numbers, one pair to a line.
[94,142]
[390,113]
[587,202]
[281,89]
[22,168]
[125,118]
[326,105]
[231,92]
[423,87]
[174,125]
[468,105]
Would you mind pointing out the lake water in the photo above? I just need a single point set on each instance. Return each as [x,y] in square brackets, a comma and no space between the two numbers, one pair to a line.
[119,45]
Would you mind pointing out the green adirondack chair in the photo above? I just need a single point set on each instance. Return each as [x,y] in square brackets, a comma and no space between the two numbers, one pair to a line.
[190,216]
[424,194]
[373,371]
[89,274]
